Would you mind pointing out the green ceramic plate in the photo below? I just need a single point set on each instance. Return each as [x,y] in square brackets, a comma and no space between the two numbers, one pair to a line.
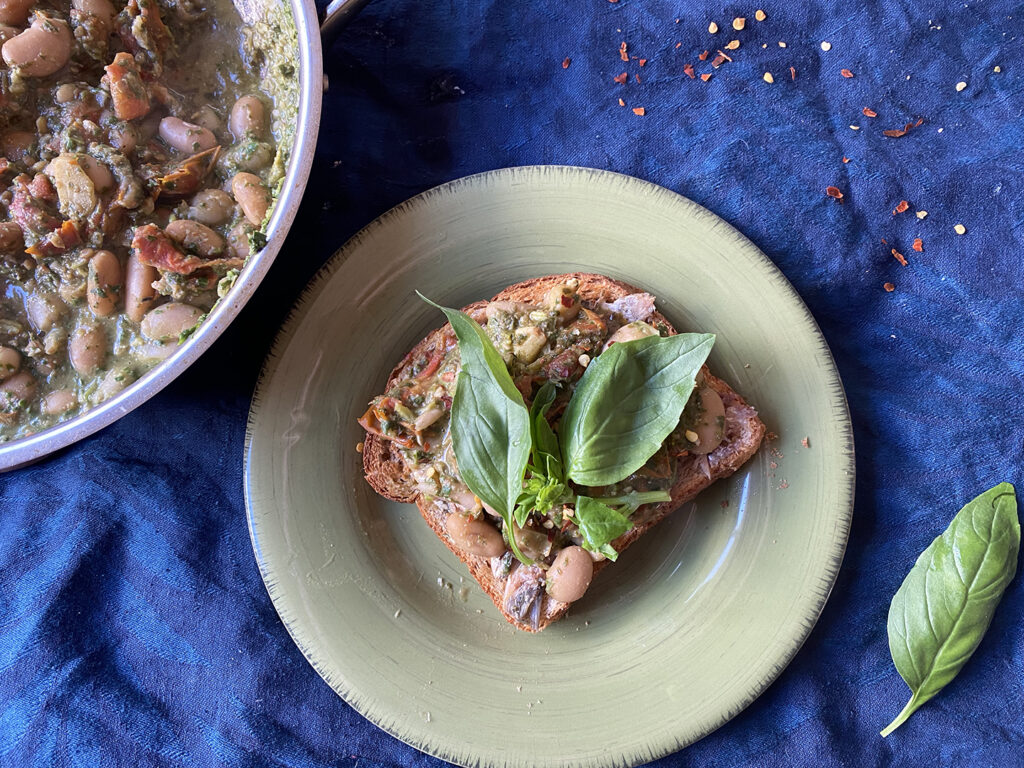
[690,625]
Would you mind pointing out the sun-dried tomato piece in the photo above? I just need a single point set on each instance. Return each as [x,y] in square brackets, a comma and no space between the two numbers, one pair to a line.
[868,112]
[845,73]
[918,245]
[902,206]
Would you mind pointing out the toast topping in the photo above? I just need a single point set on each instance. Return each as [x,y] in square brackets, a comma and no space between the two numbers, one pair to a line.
[601,446]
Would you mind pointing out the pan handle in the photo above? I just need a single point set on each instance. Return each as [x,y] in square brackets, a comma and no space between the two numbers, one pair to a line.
[337,14]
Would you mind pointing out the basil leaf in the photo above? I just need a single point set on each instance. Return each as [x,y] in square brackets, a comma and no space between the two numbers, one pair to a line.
[630,502]
[599,525]
[627,402]
[490,424]
[942,609]
[546,454]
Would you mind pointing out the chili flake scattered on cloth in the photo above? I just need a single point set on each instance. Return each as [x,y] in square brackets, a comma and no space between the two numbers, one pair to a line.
[901,207]
[895,133]
[899,257]
[639,111]
[623,54]
[642,62]
[688,69]
[703,56]
[792,72]
[868,112]
[918,245]
[846,73]
[622,103]
[889,287]
[566,62]
[637,78]
[834,192]
[846,159]
[806,442]
[621,79]
[706,76]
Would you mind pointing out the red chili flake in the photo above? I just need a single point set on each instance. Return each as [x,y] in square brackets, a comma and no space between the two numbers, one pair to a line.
[868,112]
[901,207]
[706,76]
[688,69]
[722,53]
[792,72]
[679,45]
[642,62]
[566,62]
[621,79]
[622,103]
[846,159]
[806,442]
[845,73]
[899,257]
[884,241]
[918,245]
[889,287]
[703,56]
[834,192]
[622,52]
[637,78]
[895,133]
[613,1]
[719,60]
[639,111]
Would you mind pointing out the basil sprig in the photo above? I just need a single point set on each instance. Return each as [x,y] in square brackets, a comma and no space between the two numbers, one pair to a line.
[943,608]
[490,424]
[619,417]
[629,399]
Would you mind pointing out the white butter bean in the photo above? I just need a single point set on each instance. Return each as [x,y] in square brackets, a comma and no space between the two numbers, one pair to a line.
[41,49]
[252,195]
[473,536]
[139,292]
[570,574]
[211,207]
[10,362]
[104,284]
[168,321]
[88,349]
[186,137]
[195,238]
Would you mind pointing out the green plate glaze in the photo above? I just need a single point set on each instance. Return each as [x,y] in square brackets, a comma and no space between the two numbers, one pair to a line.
[690,625]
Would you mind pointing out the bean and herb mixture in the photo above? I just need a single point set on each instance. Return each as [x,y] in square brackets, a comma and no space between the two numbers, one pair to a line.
[139,155]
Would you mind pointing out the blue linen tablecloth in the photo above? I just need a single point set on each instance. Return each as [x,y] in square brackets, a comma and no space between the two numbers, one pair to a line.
[134,628]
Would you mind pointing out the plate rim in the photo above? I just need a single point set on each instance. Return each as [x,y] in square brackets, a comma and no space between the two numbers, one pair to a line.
[835,394]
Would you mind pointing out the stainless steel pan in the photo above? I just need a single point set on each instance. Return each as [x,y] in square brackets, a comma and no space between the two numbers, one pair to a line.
[308,50]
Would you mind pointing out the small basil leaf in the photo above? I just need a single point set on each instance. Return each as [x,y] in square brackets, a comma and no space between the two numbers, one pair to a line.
[545,443]
[630,502]
[946,603]
[490,423]
[627,402]
[599,525]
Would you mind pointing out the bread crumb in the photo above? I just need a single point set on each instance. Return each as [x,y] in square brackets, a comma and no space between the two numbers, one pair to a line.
[359,447]
[781,44]
[768,77]
[826,46]
[922,214]
[960,86]
[997,68]
[959,229]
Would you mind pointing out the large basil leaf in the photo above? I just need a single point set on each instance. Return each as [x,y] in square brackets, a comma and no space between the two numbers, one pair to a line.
[942,609]
[490,424]
[547,458]
[599,525]
[627,402]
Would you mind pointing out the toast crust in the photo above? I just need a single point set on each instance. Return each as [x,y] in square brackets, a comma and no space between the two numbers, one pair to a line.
[386,472]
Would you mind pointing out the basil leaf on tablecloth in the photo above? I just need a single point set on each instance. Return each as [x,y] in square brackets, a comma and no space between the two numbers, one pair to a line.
[943,608]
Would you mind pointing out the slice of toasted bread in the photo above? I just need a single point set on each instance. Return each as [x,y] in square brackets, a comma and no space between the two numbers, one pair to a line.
[386,471]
